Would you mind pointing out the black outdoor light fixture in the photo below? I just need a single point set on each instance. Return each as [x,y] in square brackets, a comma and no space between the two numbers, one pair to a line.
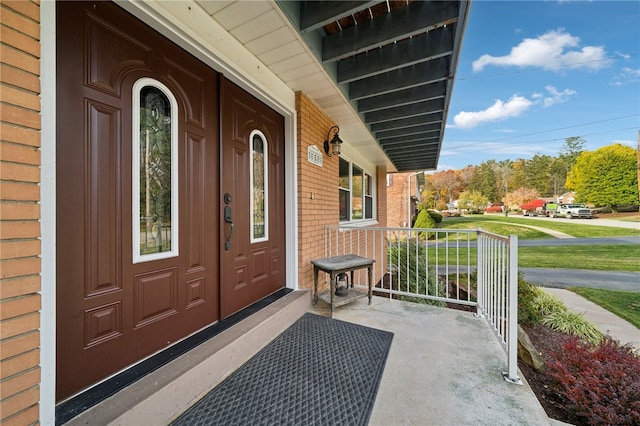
[335,142]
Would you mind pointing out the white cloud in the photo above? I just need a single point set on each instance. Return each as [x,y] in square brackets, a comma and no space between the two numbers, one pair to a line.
[550,51]
[623,55]
[557,97]
[626,76]
[514,107]
[500,110]
[521,150]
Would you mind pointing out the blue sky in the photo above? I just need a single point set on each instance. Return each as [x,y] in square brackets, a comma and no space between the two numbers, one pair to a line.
[533,73]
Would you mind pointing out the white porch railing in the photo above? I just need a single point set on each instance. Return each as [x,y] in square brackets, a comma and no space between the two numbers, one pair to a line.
[473,268]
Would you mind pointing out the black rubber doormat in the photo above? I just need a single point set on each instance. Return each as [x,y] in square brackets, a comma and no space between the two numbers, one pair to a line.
[319,371]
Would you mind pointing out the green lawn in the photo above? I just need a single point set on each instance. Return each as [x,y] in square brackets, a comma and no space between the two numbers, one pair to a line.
[625,304]
[623,257]
[492,223]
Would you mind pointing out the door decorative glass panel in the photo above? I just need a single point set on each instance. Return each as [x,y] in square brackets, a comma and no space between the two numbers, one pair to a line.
[155,196]
[259,194]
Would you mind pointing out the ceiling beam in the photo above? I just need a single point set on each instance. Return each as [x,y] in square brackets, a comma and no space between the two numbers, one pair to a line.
[316,14]
[406,139]
[404,131]
[398,55]
[418,17]
[406,122]
[419,108]
[403,97]
[403,78]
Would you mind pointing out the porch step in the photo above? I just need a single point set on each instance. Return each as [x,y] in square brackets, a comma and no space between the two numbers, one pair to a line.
[164,394]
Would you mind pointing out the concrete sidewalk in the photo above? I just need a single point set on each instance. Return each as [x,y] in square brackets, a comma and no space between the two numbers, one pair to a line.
[605,321]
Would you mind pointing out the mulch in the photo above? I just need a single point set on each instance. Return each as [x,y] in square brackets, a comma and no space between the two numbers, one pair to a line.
[545,340]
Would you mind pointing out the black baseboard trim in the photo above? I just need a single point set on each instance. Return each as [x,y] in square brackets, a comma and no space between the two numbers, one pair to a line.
[70,408]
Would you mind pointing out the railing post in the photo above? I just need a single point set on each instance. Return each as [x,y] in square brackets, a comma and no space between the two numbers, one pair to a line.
[512,343]
[479,274]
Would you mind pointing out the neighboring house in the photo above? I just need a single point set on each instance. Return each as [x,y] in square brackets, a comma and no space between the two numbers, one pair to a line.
[163,164]
[403,197]
[567,198]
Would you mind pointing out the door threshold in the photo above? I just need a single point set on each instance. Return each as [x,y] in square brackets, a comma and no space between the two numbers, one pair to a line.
[80,403]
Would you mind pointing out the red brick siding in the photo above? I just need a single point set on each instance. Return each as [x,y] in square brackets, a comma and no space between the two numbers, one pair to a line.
[19,211]
[318,202]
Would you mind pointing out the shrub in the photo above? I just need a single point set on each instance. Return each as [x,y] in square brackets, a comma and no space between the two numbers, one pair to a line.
[546,303]
[414,278]
[424,220]
[441,205]
[494,209]
[600,383]
[527,294]
[437,217]
[573,323]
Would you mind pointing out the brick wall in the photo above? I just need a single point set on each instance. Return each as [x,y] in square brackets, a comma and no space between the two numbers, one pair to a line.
[19,211]
[318,189]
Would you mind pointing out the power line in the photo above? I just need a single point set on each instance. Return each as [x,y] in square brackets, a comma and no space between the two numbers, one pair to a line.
[555,130]
[533,142]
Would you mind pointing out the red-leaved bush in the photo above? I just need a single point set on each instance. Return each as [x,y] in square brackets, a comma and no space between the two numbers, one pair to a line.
[600,383]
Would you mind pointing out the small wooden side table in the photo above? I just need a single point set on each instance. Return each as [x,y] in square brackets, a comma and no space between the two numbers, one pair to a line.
[337,265]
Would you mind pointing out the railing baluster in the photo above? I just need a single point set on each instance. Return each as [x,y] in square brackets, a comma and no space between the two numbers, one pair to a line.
[496,271]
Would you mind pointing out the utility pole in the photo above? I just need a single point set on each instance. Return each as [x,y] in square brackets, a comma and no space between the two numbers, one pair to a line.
[638,166]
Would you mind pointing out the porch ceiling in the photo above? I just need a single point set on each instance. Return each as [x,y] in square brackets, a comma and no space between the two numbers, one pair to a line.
[383,70]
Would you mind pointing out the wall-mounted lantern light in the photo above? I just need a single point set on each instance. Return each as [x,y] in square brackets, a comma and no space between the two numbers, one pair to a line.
[335,143]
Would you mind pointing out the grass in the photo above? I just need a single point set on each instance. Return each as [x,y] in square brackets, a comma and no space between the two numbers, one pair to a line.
[519,225]
[625,304]
[623,257]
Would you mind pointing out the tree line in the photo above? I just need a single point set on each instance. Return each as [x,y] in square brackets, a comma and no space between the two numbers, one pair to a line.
[604,177]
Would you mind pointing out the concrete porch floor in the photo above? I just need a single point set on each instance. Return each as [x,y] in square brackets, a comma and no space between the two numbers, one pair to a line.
[444,368]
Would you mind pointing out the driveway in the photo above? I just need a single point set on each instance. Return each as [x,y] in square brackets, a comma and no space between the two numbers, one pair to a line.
[563,278]
[578,241]
[596,221]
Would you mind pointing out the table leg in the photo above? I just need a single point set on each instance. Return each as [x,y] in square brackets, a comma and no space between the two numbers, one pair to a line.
[332,289]
[315,285]
[369,280]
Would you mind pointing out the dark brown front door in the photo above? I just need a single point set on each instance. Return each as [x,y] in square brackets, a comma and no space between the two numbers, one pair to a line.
[252,220]
[135,271]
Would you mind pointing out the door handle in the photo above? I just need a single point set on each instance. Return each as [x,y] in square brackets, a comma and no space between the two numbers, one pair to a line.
[228,219]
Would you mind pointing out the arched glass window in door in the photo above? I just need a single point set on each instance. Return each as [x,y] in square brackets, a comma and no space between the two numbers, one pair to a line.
[155,172]
[259,187]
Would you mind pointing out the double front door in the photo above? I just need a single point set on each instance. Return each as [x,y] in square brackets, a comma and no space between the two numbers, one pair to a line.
[170,202]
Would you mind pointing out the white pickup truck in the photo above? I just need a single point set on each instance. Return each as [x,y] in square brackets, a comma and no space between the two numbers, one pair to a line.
[571,211]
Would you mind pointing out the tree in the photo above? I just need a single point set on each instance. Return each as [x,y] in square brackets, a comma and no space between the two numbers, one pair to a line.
[446,183]
[484,181]
[473,201]
[503,170]
[537,173]
[518,178]
[558,170]
[606,176]
[520,196]
[572,148]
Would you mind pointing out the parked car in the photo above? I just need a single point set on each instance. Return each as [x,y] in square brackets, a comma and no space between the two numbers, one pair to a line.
[571,211]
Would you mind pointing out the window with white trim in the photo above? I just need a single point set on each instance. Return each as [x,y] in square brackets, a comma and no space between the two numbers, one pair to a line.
[356,192]
[258,177]
[154,172]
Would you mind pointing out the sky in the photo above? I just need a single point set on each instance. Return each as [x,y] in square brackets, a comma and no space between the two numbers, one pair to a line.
[533,73]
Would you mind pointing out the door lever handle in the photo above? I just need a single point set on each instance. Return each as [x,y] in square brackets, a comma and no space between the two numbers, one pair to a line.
[227,244]
[228,219]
